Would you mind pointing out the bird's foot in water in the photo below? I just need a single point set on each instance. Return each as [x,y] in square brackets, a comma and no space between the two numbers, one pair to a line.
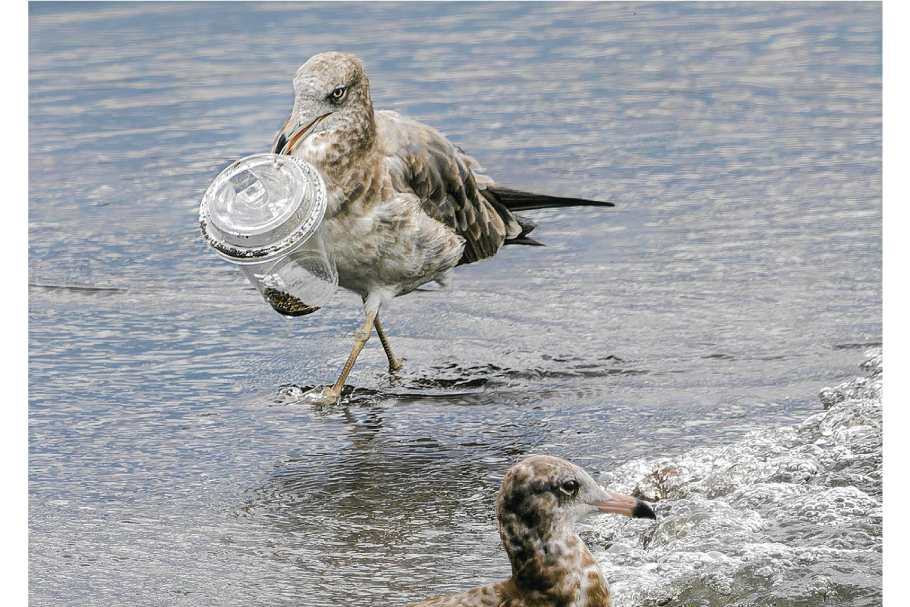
[395,365]
[323,395]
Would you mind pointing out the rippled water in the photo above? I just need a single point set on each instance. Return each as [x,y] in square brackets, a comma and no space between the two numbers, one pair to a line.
[669,339]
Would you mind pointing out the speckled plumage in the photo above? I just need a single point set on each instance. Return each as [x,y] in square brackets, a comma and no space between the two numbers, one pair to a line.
[539,502]
[405,206]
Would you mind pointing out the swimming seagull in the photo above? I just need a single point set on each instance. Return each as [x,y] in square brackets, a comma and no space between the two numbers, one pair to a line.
[540,500]
[405,206]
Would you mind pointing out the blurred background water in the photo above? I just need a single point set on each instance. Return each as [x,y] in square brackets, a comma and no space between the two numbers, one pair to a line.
[171,460]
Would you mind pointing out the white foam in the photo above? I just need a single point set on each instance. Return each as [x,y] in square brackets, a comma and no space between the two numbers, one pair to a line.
[784,515]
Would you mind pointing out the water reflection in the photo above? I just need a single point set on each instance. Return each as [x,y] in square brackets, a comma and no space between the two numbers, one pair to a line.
[400,510]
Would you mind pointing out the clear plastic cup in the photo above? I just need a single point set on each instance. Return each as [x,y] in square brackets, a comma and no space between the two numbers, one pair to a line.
[263,213]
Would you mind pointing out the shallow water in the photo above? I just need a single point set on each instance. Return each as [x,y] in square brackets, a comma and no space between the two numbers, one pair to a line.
[171,460]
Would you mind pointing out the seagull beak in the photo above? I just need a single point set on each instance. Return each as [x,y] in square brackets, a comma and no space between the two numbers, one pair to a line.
[615,503]
[292,133]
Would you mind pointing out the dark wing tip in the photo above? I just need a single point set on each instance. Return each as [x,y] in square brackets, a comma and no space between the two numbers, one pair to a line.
[524,240]
[516,200]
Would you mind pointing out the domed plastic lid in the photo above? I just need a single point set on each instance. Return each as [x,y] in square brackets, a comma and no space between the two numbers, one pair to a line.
[262,206]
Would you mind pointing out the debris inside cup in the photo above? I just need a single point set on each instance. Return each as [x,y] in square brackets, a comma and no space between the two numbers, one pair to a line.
[287,304]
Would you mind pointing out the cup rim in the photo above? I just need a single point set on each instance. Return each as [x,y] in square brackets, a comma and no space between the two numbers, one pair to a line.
[258,254]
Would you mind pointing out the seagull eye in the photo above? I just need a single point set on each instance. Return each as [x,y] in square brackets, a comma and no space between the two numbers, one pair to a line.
[338,93]
[569,487]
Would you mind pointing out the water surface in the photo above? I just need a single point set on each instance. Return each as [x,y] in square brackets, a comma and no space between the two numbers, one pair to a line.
[170,458]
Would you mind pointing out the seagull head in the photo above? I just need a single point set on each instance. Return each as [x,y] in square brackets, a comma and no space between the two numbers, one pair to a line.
[332,116]
[545,496]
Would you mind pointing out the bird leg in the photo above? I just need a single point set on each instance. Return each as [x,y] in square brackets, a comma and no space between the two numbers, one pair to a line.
[361,336]
[331,394]
[395,364]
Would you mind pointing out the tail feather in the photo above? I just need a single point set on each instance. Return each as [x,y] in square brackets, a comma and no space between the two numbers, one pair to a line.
[507,200]
[526,226]
[515,200]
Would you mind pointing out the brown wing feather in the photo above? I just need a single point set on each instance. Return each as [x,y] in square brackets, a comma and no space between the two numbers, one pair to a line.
[426,163]
[442,176]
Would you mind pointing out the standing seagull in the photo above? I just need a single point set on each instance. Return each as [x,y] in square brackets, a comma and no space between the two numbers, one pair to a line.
[404,205]
[540,500]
